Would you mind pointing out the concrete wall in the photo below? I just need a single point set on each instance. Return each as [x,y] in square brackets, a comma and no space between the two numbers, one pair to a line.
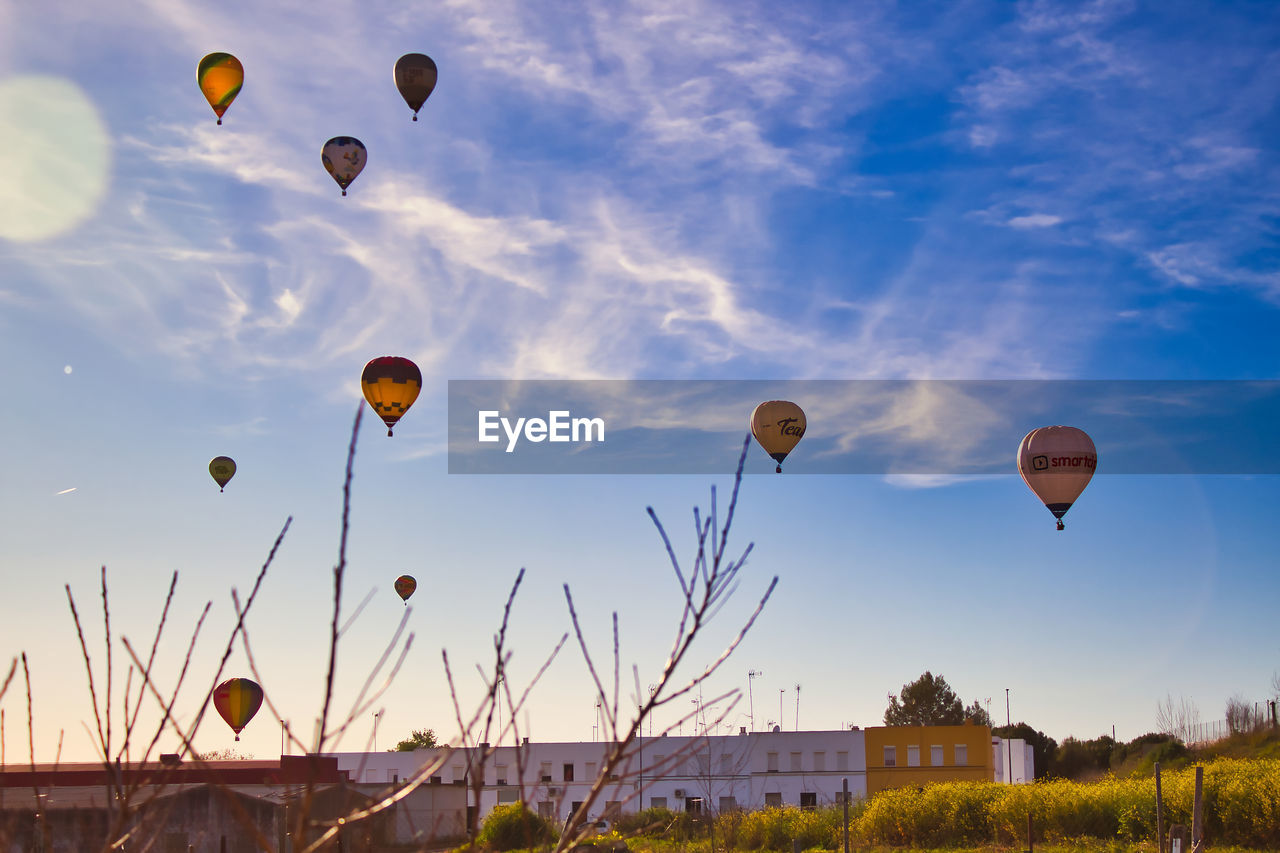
[707,772]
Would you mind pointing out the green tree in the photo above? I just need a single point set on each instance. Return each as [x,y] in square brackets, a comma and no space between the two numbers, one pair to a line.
[976,714]
[927,701]
[420,739]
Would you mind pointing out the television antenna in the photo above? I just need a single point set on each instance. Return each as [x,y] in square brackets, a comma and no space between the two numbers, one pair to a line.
[751,675]
[797,707]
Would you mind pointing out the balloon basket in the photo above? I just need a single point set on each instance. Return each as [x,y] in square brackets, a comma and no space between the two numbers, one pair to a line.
[1061,526]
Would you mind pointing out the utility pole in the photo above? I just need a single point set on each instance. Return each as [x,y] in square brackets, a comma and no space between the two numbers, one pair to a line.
[752,674]
[1008,722]
[781,690]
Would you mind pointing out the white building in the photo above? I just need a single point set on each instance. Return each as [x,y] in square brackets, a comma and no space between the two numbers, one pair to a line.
[1013,755]
[702,773]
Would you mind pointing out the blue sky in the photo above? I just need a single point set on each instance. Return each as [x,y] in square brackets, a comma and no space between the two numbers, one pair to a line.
[688,190]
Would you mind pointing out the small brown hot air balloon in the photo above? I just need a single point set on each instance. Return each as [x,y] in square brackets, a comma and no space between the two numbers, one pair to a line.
[778,426]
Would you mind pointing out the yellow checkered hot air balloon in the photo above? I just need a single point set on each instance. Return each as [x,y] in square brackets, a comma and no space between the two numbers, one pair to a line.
[220,76]
[237,700]
[391,384]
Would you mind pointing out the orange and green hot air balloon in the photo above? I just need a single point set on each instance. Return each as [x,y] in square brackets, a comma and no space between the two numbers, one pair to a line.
[222,469]
[405,585]
[220,76]
[391,384]
[237,700]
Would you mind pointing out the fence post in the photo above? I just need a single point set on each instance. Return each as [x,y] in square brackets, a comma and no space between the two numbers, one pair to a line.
[845,799]
[1159,814]
[1197,813]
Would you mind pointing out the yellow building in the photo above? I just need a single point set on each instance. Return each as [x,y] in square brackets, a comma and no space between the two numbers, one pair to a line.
[898,756]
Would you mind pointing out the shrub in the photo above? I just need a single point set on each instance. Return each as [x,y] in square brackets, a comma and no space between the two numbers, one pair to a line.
[514,827]
[650,821]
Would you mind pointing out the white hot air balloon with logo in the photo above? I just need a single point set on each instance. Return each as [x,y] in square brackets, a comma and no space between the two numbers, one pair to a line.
[1057,462]
[778,426]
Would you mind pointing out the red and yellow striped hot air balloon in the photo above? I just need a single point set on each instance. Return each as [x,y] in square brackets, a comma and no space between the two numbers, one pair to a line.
[237,700]
[220,76]
[405,585]
[391,384]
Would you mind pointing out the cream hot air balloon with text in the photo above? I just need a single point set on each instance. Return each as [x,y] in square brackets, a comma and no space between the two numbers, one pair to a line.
[1057,462]
[778,426]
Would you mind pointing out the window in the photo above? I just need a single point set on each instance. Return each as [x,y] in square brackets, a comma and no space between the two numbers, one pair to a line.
[568,773]
[544,771]
[507,795]
[657,802]
[459,775]
[726,764]
[935,755]
[841,797]
[591,772]
[728,804]
[795,762]
[772,762]
[693,805]
[612,808]
[890,756]
[808,800]
[547,810]
[913,756]
[773,801]
[962,755]
[500,773]
[819,761]
[842,761]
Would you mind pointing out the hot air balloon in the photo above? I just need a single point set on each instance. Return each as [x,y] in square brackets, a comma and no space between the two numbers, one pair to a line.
[778,425]
[391,384]
[222,468]
[344,157]
[1057,462]
[405,585]
[237,700]
[220,76]
[415,78]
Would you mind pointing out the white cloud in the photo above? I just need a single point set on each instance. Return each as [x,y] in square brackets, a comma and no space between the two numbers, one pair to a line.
[1034,220]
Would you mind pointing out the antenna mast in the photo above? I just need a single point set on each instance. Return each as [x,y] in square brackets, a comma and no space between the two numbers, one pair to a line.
[798,708]
[752,674]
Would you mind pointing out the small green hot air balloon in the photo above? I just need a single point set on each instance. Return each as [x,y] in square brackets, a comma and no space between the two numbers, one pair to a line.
[222,469]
